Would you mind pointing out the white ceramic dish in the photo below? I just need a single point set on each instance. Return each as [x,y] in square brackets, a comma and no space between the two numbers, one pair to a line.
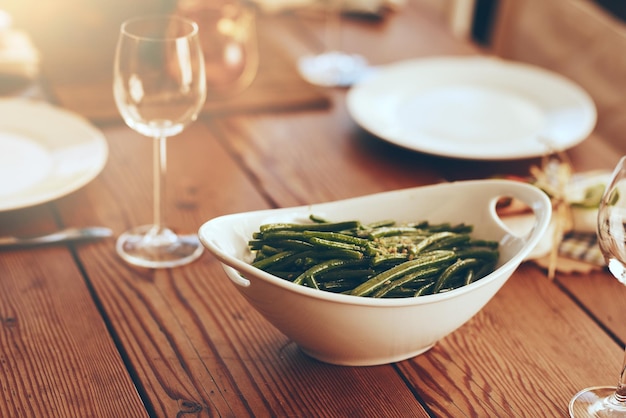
[473,108]
[45,153]
[353,330]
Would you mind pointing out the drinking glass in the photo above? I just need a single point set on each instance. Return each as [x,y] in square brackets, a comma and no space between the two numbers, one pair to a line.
[159,87]
[609,401]
[227,30]
[333,68]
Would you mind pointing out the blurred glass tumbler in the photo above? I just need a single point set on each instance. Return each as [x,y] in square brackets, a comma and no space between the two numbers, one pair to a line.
[227,30]
[333,67]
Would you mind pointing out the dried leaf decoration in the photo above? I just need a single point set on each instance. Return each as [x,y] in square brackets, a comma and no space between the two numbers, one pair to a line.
[553,177]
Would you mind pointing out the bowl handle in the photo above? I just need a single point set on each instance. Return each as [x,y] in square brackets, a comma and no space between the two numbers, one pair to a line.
[235,277]
[538,202]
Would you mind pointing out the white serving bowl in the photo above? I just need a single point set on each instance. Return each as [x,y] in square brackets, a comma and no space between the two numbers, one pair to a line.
[353,330]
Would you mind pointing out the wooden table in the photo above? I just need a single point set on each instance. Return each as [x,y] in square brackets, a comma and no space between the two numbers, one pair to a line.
[83,334]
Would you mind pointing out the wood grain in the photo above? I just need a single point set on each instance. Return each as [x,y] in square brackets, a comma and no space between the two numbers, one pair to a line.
[193,342]
[85,334]
[56,356]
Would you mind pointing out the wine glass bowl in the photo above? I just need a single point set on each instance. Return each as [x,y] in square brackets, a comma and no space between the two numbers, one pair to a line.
[609,401]
[159,87]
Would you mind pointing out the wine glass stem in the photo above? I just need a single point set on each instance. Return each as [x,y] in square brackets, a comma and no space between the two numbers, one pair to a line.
[333,26]
[620,393]
[159,169]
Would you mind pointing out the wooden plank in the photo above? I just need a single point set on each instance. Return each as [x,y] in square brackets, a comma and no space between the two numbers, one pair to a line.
[529,355]
[603,296]
[56,356]
[446,378]
[195,345]
[512,358]
[303,158]
[191,339]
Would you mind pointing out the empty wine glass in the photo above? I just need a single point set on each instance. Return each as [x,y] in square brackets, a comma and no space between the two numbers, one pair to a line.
[333,68]
[228,36]
[609,401]
[159,87]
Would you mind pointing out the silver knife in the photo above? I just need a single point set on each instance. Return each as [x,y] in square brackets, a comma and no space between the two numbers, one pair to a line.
[64,235]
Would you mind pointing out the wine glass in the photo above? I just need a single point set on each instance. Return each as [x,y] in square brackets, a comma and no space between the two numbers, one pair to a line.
[159,87]
[227,30]
[333,68]
[609,401]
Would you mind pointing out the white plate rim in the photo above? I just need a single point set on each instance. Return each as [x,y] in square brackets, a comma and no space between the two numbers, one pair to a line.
[60,132]
[391,84]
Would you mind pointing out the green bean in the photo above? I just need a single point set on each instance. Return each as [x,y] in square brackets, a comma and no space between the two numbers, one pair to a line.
[280,234]
[418,275]
[460,228]
[389,258]
[327,226]
[340,253]
[352,274]
[481,253]
[470,276]
[484,270]
[261,264]
[451,241]
[292,244]
[268,250]
[326,243]
[393,231]
[336,236]
[309,275]
[317,219]
[380,259]
[432,259]
[432,239]
[484,243]
[460,264]
[381,224]
[425,290]
[337,286]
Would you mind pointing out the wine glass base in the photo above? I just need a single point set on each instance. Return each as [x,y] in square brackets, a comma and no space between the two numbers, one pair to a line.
[598,402]
[333,69]
[153,247]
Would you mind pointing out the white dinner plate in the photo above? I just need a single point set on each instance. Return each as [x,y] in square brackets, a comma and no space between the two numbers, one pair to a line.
[45,153]
[481,108]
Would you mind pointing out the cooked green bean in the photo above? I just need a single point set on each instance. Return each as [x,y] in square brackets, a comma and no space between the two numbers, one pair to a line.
[378,259]
[394,231]
[450,242]
[418,276]
[336,236]
[335,245]
[436,258]
[381,224]
[321,226]
[459,265]
[425,290]
[432,240]
[265,262]
[308,277]
[389,258]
